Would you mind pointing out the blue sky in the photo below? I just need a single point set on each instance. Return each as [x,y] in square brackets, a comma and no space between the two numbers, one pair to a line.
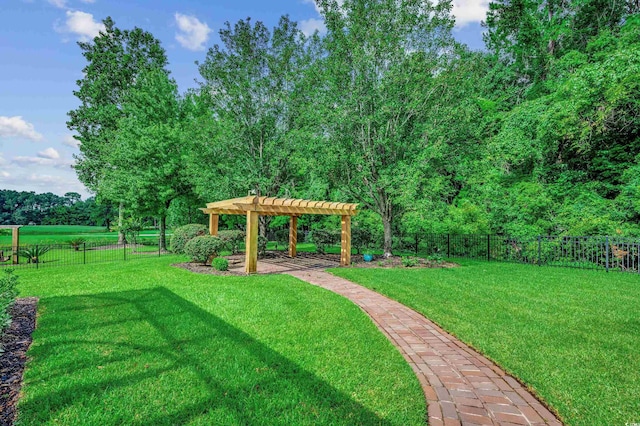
[40,63]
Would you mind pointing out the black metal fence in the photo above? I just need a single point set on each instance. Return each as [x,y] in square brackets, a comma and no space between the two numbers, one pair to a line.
[46,255]
[603,253]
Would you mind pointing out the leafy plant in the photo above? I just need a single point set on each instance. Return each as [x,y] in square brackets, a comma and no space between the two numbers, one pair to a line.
[361,238]
[323,238]
[282,237]
[204,248]
[182,235]
[262,245]
[8,294]
[436,258]
[409,262]
[220,264]
[34,253]
[233,239]
[77,242]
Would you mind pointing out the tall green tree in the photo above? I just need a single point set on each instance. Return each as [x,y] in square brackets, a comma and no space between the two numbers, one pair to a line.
[115,59]
[253,83]
[148,155]
[381,59]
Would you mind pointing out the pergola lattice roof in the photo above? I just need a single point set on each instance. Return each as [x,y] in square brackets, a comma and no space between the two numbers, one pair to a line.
[269,206]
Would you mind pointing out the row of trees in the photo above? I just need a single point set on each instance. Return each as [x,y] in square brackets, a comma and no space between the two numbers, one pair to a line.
[537,135]
[23,208]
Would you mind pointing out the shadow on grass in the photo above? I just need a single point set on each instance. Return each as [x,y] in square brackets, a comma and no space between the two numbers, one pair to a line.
[151,357]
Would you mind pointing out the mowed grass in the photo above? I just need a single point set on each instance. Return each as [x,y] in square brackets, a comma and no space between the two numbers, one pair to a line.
[571,335]
[142,342]
[61,234]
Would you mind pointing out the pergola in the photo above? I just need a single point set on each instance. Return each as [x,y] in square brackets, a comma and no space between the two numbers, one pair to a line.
[254,206]
[15,241]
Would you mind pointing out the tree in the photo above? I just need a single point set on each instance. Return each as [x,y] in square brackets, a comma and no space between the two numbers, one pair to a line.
[147,167]
[253,83]
[531,34]
[381,59]
[115,60]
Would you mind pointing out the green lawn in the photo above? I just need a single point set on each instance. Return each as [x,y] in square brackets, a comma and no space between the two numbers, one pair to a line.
[572,335]
[61,234]
[140,342]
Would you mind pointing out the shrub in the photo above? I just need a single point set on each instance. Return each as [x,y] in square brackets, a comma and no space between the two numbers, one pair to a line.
[361,239]
[220,264]
[203,248]
[77,242]
[410,262]
[323,238]
[262,245]
[282,237]
[34,253]
[183,234]
[233,239]
[8,295]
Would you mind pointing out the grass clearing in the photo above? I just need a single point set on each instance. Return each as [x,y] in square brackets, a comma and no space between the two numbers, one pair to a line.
[61,234]
[144,343]
[572,335]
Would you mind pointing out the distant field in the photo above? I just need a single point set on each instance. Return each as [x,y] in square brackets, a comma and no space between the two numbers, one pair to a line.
[60,234]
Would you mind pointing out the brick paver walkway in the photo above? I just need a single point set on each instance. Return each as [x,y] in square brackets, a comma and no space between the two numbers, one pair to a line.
[461,386]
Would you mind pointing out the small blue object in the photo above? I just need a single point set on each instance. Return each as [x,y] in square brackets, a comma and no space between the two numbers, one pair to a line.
[368,257]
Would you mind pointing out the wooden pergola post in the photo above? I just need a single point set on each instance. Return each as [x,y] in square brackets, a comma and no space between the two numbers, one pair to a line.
[345,250]
[213,224]
[251,255]
[293,236]
[15,243]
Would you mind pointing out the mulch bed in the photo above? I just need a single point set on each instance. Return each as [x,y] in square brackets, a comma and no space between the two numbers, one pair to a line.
[15,342]
[358,262]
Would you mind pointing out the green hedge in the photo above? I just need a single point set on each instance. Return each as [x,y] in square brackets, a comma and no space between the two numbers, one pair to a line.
[203,248]
[182,235]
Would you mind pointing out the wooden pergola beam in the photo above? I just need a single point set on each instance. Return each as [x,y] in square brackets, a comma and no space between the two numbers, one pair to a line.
[293,236]
[251,248]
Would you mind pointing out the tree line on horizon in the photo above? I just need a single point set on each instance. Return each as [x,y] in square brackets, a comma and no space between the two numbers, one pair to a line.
[29,208]
[539,134]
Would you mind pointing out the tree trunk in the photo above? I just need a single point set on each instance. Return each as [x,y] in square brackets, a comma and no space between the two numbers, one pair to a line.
[122,239]
[388,235]
[163,233]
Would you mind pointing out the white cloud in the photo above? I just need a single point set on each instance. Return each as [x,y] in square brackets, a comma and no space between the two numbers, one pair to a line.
[49,153]
[62,4]
[18,127]
[309,26]
[59,163]
[5,174]
[468,11]
[81,24]
[70,141]
[88,1]
[192,34]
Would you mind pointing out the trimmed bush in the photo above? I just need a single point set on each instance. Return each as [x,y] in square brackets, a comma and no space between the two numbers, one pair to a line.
[233,239]
[220,264]
[182,235]
[8,294]
[262,245]
[203,248]
[323,238]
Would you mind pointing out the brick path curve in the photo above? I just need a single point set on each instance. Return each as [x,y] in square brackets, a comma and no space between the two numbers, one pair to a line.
[461,386]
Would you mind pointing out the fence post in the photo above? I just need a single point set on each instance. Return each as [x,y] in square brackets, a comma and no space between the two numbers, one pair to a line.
[607,252]
[539,250]
[84,253]
[448,245]
[488,247]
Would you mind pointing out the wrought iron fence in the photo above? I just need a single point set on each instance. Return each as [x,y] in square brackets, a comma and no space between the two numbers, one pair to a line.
[46,255]
[603,253]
